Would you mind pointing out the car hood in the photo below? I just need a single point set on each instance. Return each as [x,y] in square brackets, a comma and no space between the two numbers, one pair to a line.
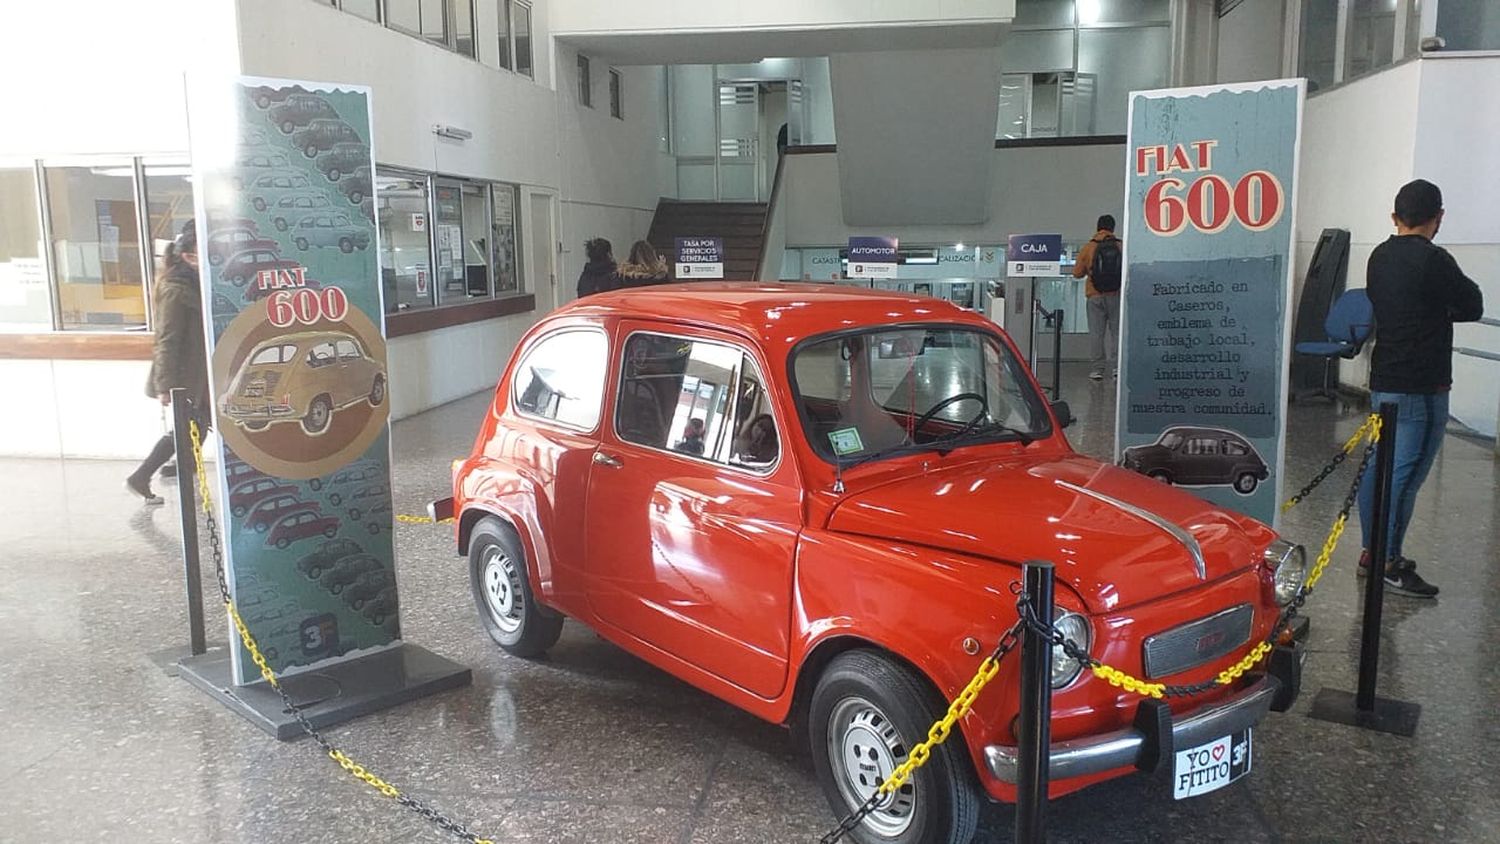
[1118,538]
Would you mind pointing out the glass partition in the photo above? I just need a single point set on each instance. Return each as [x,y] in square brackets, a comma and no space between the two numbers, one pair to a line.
[506,260]
[405,245]
[96,249]
[25,303]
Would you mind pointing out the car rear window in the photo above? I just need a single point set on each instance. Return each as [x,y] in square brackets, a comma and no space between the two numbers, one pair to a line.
[561,378]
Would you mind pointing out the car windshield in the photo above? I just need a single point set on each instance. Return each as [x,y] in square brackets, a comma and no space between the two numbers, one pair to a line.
[870,393]
[274,354]
[1171,439]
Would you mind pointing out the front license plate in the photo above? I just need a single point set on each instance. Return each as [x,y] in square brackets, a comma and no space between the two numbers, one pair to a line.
[1210,767]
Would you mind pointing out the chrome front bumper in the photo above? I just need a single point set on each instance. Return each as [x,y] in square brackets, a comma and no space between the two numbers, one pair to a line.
[1124,748]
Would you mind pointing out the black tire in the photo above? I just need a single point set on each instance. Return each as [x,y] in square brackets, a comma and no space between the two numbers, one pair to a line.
[877,709]
[262,102]
[1246,483]
[333,174]
[259,203]
[302,244]
[356,196]
[331,532]
[316,484]
[377,391]
[1160,475]
[354,513]
[373,528]
[311,151]
[319,416]
[508,611]
[280,223]
[335,499]
[346,245]
[283,542]
[262,527]
[288,127]
[257,424]
[239,512]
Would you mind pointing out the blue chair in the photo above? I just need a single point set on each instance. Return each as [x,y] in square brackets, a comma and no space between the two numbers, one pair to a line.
[1349,323]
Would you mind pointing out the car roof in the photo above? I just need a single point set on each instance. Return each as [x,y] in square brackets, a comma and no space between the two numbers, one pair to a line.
[778,315]
[1202,429]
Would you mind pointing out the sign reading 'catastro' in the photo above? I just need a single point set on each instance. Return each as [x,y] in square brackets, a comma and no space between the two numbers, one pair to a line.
[285,182]
[1210,186]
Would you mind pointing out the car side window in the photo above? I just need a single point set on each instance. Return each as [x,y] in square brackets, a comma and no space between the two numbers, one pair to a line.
[561,378]
[321,355]
[1235,449]
[1203,446]
[695,397]
[348,351]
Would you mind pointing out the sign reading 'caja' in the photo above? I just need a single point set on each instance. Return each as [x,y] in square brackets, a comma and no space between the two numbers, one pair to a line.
[298,364]
[1208,246]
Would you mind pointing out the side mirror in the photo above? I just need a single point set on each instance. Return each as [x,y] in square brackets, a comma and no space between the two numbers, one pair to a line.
[1063,413]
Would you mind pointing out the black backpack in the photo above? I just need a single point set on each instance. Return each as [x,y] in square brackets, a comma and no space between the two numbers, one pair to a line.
[1108,260]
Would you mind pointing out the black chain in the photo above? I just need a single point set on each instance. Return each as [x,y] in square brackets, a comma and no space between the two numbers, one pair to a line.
[216,550]
[1322,475]
[852,820]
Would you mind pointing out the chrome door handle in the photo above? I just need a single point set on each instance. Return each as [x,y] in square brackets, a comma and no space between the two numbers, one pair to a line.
[607,460]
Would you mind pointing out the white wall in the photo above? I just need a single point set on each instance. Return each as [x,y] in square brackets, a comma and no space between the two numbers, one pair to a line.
[1033,189]
[1250,40]
[1455,150]
[672,15]
[98,76]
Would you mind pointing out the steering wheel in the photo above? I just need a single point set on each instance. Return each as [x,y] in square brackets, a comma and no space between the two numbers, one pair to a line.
[984,408]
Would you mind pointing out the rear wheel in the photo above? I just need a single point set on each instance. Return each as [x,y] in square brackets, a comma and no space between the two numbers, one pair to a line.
[319,412]
[377,391]
[346,245]
[508,611]
[302,244]
[866,713]
[1245,483]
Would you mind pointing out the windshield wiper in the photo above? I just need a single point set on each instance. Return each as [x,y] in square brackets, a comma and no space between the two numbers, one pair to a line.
[987,429]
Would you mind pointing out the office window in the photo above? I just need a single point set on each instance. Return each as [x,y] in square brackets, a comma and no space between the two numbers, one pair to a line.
[1320,26]
[464,237]
[521,21]
[1371,38]
[367,9]
[169,207]
[96,249]
[585,82]
[616,107]
[503,15]
[25,303]
[405,241]
[503,239]
[1468,24]
[463,27]
[424,18]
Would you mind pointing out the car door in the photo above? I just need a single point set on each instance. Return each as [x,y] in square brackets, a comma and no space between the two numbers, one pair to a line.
[691,531]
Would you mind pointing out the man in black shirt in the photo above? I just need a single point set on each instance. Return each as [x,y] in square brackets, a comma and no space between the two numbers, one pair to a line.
[1418,292]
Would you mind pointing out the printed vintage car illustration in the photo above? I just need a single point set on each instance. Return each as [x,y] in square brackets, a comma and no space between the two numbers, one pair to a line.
[242,266]
[291,209]
[302,524]
[268,511]
[330,230]
[224,242]
[247,494]
[348,570]
[1197,456]
[322,134]
[343,159]
[329,553]
[869,470]
[299,110]
[271,187]
[305,377]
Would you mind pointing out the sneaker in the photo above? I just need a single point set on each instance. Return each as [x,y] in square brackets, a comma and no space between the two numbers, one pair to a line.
[143,489]
[1096,375]
[1364,564]
[1404,580]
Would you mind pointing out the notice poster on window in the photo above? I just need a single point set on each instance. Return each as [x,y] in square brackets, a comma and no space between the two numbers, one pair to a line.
[1211,182]
[283,179]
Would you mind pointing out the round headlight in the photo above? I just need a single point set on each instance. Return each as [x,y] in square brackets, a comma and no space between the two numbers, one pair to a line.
[1288,564]
[1075,628]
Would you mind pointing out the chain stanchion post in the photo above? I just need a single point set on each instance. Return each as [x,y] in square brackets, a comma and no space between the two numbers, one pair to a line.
[1034,731]
[1363,708]
[1057,328]
[1380,524]
[187,503]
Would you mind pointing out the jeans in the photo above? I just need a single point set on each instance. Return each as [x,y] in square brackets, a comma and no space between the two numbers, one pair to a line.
[1104,318]
[1420,422]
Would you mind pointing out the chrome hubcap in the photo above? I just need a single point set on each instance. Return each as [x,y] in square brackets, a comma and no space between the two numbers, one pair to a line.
[502,590]
[863,749]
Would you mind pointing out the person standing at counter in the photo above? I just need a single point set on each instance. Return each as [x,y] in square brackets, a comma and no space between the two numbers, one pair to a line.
[1101,259]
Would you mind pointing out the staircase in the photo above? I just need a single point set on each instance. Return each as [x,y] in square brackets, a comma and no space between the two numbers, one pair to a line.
[741,224]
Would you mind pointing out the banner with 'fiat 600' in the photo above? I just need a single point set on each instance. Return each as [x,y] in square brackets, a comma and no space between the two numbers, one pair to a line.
[288,254]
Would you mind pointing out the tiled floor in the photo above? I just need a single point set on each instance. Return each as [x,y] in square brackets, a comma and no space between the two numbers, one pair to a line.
[591,745]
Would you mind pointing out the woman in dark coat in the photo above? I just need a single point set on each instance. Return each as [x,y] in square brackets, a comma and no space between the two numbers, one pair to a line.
[644,267]
[599,273]
[179,356]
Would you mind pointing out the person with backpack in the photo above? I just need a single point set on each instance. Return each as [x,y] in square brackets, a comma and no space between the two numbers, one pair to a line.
[1102,260]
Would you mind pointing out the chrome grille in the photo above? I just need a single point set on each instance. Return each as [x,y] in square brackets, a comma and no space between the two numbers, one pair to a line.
[1198,642]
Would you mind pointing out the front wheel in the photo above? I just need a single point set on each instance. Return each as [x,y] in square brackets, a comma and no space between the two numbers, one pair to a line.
[377,391]
[1160,475]
[508,611]
[866,713]
[1245,483]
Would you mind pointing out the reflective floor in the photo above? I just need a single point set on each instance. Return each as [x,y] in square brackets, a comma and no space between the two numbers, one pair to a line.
[100,741]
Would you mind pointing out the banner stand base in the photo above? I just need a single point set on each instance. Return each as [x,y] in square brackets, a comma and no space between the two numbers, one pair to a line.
[341,692]
[1397,717]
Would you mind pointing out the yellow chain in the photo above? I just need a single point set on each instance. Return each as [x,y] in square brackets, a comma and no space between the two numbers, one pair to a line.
[1327,552]
[421,520]
[1119,679]
[940,730]
[205,495]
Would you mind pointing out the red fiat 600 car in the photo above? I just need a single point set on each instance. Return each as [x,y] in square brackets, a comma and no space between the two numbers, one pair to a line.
[811,501]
